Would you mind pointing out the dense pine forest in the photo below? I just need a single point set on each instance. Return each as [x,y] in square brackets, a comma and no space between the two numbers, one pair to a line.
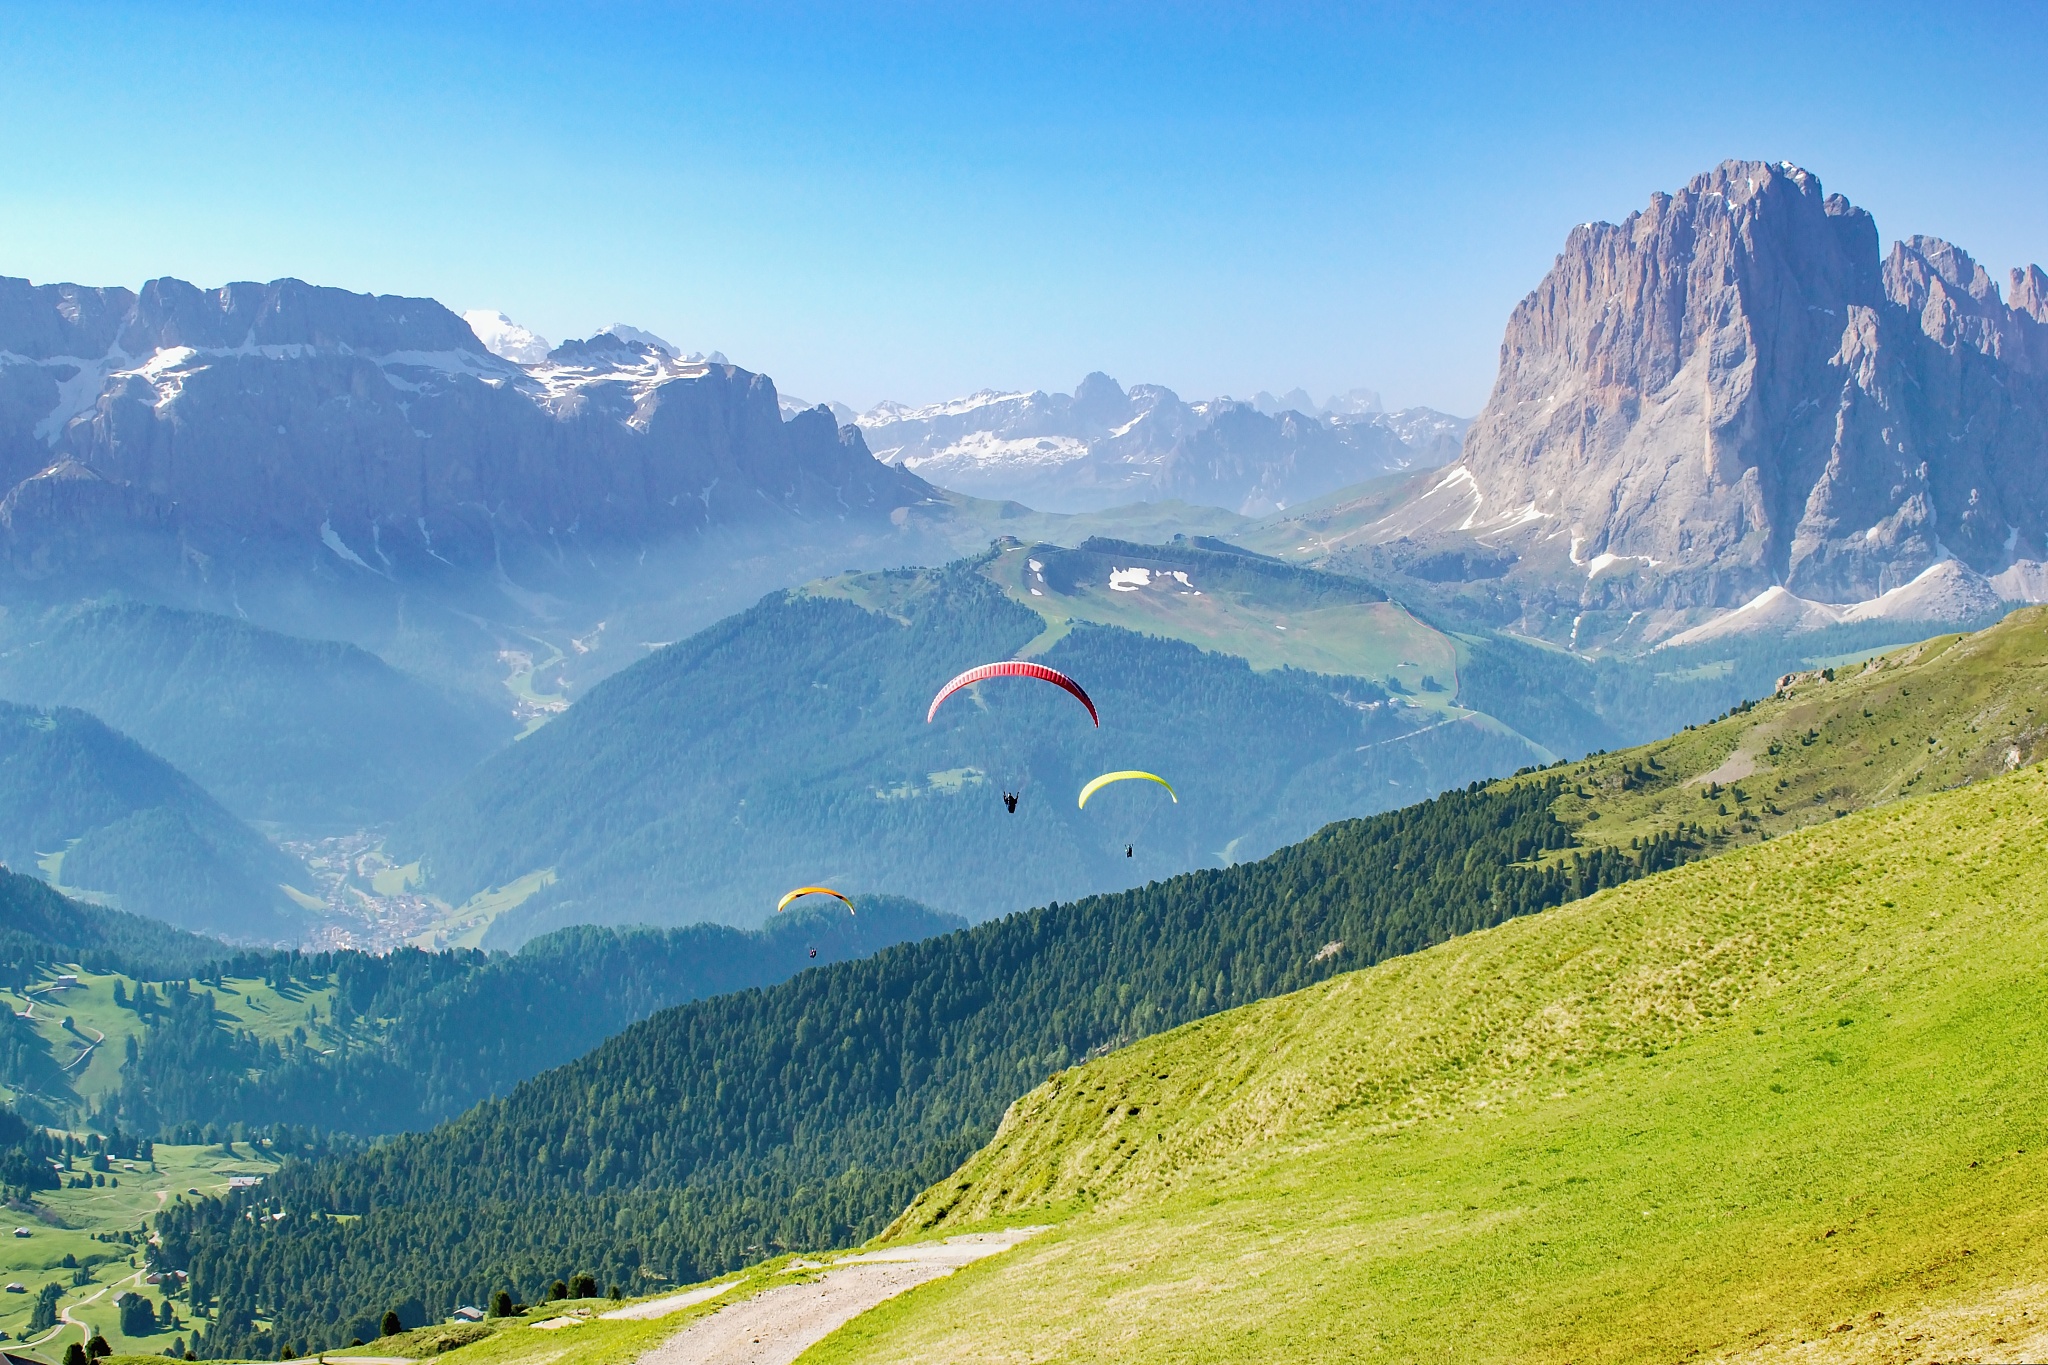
[99,811]
[313,732]
[808,1113]
[433,1033]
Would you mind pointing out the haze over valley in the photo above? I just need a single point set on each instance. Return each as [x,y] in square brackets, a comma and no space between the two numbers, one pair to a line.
[1363,762]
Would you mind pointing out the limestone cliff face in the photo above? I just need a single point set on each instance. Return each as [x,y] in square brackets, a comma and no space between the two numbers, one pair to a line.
[1730,390]
[281,420]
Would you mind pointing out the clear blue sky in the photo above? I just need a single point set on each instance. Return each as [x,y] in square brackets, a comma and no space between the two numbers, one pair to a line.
[912,202]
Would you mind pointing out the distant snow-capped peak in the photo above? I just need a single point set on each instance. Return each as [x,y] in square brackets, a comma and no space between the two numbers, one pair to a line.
[505,338]
[626,332]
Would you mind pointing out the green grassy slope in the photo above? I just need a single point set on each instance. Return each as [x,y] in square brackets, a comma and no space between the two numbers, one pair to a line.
[79,1037]
[807,1111]
[1270,614]
[1947,711]
[89,1226]
[1780,1095]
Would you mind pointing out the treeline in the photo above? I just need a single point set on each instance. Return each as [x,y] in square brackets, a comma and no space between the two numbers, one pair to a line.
[27,1157]
[411,1038]
[808,1113]
[39,926]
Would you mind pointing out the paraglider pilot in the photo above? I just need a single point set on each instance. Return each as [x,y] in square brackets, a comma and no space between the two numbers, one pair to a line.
[1010,802]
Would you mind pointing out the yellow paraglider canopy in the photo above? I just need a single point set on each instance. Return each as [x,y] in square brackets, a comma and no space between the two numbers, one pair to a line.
[1126,775]
[783,904]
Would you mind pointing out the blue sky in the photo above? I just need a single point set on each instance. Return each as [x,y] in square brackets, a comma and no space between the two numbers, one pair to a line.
[913,202]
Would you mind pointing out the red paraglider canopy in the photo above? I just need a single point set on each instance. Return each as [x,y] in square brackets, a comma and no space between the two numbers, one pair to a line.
[1012,668]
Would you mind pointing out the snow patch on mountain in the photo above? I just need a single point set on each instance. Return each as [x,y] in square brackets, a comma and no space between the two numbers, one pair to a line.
[505,338]
[1946,593]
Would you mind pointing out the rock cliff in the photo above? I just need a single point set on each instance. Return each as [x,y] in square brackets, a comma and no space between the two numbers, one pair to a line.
[282,419]
[1732,390]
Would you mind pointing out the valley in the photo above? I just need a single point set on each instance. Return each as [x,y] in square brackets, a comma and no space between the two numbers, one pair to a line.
[879,1070]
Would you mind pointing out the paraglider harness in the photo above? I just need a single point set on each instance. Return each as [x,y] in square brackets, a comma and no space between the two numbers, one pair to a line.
[1010,802]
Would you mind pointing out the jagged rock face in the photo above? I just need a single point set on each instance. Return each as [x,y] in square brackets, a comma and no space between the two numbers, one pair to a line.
[285,419]
[1101,446]
[1730,391]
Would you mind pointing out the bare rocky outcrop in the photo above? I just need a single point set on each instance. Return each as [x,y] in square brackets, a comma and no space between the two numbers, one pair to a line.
[1732,391]
[283,419]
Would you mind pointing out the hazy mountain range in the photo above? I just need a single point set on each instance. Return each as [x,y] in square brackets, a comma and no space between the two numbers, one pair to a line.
[1101,446]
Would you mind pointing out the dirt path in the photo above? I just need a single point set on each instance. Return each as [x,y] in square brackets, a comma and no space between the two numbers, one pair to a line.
[64,1319]
[777,1325]
[87,1050]
[673,1303]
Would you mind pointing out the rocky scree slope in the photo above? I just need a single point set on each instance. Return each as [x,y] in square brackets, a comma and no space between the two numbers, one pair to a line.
[1732,390]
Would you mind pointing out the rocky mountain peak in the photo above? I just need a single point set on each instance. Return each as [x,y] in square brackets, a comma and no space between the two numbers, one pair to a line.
[171,313]
[210,436]
[1729,390]
[44,322]
[1101,401]
[2030,293]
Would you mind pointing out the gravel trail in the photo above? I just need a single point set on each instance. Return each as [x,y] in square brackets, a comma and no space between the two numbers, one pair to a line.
[777,1325]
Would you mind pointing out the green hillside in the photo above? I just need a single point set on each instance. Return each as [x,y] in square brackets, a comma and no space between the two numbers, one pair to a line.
[1777,1099]
[1270,614]
[808,1113]
[789,745]
[312,734]
[350,1043]
[97,813]
[87,1242]
[39,926]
